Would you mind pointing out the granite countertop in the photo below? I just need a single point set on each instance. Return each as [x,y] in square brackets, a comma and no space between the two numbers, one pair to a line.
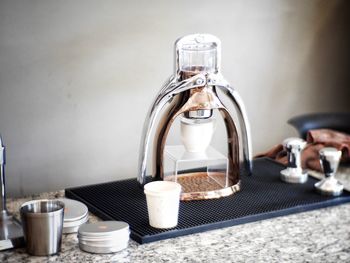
[314,236]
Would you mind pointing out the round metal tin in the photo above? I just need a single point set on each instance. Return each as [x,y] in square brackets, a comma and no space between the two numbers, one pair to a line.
[74,210]
[103,229]
[104,237]
[75,214]
[101,250]
[72,227]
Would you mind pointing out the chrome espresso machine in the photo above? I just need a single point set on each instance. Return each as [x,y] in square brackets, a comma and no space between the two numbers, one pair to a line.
[197,134]
[194,95]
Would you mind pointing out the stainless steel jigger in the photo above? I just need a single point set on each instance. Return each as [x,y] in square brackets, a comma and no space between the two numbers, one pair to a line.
[294,172]
[329,158]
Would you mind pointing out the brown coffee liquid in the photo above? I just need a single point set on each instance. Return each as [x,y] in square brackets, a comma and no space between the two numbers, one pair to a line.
[191,71]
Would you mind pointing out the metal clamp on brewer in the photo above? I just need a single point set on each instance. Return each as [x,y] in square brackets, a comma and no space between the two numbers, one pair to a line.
[193,95]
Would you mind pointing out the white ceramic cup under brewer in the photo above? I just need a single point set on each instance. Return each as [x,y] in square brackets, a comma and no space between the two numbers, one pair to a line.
[163,198]
[196,134]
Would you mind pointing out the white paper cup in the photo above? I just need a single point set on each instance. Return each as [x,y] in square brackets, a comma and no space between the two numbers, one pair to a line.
[163,198]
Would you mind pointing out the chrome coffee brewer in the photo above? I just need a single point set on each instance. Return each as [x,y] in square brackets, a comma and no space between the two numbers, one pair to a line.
[192,95]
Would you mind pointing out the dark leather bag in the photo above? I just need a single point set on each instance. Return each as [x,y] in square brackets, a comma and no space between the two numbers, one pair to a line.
[335,121]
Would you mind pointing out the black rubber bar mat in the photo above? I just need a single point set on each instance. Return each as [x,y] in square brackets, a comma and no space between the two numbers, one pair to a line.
[263,195]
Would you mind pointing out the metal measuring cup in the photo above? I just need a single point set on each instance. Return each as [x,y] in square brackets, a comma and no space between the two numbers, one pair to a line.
[42,222]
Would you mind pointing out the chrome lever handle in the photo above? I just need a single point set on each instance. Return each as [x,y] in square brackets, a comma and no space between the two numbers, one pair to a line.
[216,79]
[219,81]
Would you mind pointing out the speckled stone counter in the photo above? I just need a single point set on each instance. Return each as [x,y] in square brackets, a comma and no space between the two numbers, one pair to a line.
[318,236]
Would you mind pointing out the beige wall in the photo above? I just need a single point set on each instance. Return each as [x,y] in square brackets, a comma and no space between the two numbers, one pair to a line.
[76,77]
